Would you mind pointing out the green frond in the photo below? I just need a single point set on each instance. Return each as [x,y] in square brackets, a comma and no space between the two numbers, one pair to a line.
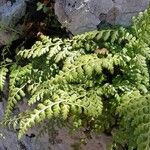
[19,77]
[61,106]
[135,121]
[3,73]
[37,96]
[38,49]
[15,95]
[141,26]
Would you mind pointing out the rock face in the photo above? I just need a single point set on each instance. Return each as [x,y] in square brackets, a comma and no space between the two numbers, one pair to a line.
[84,15]
[10,13]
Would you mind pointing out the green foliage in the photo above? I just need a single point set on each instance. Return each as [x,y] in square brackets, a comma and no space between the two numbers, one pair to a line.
[42,6]
[136,121]
[98,79]
[3,72]
[141,26]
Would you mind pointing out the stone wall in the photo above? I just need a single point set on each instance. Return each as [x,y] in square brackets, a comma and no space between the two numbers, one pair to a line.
[10,13]
[79,16]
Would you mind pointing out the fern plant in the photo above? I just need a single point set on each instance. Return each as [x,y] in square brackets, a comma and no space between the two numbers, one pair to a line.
[98,79]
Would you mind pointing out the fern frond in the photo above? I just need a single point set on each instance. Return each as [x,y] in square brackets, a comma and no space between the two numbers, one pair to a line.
[15,95]
[141,26]
[38,95]
[19,78]
[3,73]
[135,122]
[39,48]
[62,106]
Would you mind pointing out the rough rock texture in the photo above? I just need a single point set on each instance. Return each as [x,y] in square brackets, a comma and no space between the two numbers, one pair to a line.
[84,15]
[10,13]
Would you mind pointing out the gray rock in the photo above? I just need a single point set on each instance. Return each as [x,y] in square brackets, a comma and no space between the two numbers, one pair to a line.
[79,16]
[10,13]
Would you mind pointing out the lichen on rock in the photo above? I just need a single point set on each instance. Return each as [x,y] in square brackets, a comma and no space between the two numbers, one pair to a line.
[79,16]
[10,14]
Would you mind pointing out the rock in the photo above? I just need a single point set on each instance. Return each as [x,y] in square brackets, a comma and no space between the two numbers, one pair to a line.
[11,11]
[79,16]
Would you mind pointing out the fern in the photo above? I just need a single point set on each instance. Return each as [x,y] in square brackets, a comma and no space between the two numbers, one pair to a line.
[3,72]
[98,79]
[135,123]
[141,26]
[62,105]
[16,91]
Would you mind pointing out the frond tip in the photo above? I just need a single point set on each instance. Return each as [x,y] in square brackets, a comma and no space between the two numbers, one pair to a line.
[3,73]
